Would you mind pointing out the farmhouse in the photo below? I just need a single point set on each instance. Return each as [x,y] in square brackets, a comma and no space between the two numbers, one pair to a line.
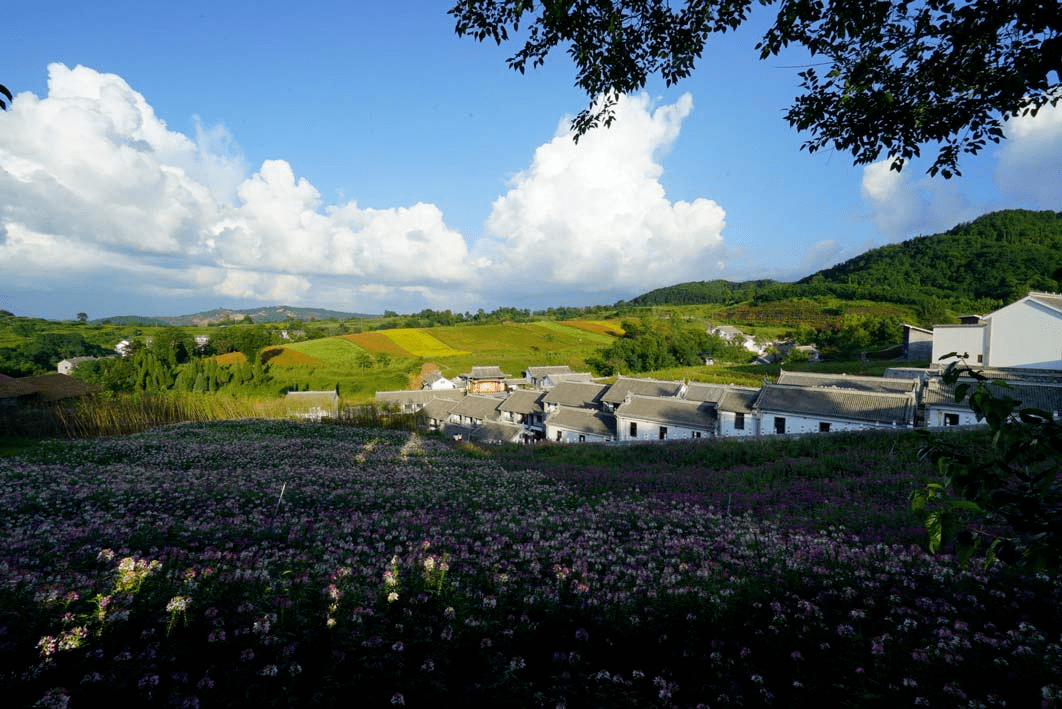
[847,381]
[524,407]
[625,386]
[581,395]
[410,401]
[485,380]
[536,376]
[644,418]
[436,413]
[67,366]
[735,412]
[941,408]
[789,408]
[474,410]
[570,425]
[1025,334]
[437,382]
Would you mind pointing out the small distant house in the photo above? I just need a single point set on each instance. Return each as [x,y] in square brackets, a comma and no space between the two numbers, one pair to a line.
[312,405]
[67,366]
[650,418]
[571,425]
[124,348]
[736,337]
[536,376]
[437,382]
[485,380]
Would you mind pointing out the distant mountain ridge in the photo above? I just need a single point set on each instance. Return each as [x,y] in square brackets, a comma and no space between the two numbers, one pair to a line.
[982,264]
[269,314]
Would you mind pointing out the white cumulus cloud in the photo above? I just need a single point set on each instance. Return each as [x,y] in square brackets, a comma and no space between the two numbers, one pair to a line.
[1030,161]
[94,186]
[903,206]
[98,193]
[594,216]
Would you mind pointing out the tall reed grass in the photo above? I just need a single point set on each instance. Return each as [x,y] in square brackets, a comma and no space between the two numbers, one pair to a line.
[123,414]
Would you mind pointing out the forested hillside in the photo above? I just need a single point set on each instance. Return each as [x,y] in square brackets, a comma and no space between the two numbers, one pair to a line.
[977,266]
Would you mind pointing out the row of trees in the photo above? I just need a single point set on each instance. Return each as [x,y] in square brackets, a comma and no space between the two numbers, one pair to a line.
[645,347]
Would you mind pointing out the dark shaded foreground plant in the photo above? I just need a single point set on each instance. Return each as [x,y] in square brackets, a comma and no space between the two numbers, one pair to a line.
[1003,498]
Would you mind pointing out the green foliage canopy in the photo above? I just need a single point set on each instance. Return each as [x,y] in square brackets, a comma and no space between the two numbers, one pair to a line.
[888,77]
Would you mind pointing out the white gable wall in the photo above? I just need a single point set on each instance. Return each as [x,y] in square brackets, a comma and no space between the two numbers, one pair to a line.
[650,430]
[799,423]
[565,435]
[1025,334]
[962,339]
[728,424]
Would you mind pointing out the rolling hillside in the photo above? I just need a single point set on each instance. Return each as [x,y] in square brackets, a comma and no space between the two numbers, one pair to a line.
[976,266]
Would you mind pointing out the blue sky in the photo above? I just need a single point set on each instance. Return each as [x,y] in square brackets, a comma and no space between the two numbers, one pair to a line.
[166,157]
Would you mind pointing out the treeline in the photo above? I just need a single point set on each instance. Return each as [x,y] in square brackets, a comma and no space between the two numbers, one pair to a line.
[975,267]
[442,318]
[645,347]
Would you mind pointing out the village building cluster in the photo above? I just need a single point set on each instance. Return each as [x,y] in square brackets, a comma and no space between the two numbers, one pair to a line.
[1020,344]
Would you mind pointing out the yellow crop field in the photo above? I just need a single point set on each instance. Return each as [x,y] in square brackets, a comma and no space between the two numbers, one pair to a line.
[376,342]
[420,344]
[601,327]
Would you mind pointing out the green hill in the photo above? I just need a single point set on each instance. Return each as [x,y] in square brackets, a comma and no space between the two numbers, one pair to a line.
[977,266]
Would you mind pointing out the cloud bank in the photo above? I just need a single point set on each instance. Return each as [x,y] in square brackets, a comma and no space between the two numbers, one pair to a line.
[1028,171]
[97,191]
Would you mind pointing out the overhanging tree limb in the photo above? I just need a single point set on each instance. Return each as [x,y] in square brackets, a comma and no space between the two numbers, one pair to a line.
[897,75]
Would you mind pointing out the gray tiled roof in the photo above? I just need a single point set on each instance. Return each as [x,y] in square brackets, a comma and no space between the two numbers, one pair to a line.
[496,431]
[490,372]
[54,386]
[417,396]
[438,409]
[690,414]
[643,387]
[829,402]
[539,372]
[523,401]
[696,391]
[578,394]
[848,381]
[1051,300]
[570,377]
[738,399]
[1047,397]
[583,421]
[11,387]
[478,407]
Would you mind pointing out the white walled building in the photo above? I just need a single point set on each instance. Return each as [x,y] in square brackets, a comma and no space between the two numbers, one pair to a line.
[650,418]
[1026,334]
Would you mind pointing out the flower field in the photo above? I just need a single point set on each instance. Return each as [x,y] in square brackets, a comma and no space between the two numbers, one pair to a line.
[266,563]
